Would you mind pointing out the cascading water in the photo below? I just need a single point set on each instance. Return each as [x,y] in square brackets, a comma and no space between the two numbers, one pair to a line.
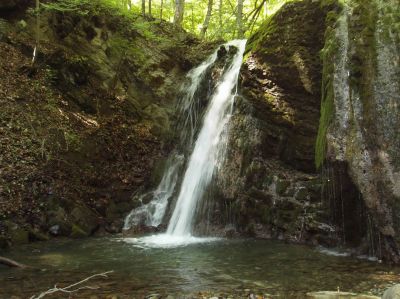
[207,152]
[152,213]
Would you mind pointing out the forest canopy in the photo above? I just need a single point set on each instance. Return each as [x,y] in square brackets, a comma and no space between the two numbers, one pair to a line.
[208,19]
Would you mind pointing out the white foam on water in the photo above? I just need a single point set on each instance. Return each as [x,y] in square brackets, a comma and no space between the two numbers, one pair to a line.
[333,252]
[167,241]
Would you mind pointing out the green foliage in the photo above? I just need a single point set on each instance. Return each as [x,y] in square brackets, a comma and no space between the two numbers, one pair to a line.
[72,139]
[145,29]
[50,75]
[66,6]
[253,16]
[222,23]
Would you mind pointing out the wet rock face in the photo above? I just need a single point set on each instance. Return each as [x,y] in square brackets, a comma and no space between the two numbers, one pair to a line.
[267,185]
[365,118]
[274,128]
[282,79]
[263,197]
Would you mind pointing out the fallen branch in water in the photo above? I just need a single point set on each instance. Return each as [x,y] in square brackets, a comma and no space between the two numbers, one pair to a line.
[69,289]
[11,263]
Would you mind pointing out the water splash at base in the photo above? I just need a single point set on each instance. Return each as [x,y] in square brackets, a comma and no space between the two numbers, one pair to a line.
[167,241]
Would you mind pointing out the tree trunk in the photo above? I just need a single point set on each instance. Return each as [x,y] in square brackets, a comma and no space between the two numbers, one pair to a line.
[161,9]
[239,19]
[265,15]
[143,8]
[220,19]
[150,8]
[207,18]
[179,10]
[192,18]
[255,14]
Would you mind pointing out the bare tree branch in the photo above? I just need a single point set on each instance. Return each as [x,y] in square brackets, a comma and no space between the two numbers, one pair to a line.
[69,289]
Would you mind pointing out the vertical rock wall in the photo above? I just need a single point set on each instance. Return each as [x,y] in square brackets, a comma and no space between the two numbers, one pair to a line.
[268,185]
[360,120]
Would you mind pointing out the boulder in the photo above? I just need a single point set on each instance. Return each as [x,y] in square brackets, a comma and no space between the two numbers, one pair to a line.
[84,219]
[392,292]
[338,295]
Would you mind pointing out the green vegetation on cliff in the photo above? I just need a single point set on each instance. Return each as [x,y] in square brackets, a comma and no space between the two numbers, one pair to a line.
[82,128]
[328,56]
[208,19]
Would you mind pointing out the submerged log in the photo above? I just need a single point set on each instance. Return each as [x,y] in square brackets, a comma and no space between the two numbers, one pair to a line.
[11,263]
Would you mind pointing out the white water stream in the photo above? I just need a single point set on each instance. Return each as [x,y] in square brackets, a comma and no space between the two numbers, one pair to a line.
[207,152]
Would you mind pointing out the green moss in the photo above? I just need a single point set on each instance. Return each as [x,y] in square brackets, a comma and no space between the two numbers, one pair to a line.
[77,232]
[255,41]
[327,100]
[4,243]
[363,63]
[266,214]
[19,236]
[36,235]
[281,186]
[73,140]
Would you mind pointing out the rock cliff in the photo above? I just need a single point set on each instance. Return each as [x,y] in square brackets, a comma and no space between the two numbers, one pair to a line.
[82,128]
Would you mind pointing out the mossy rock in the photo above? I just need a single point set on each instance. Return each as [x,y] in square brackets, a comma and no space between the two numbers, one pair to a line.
[5,28]
[77,232]
[302,194]
[159,118]
[266,214]
[314,185]
[281,186]
[257,194]
[158,171]
[58,218]
[117,210]
[287,214]
[36,235]
[19,236]
[111,211]
[284,54]
[268,180]
[84,218]
[4,242]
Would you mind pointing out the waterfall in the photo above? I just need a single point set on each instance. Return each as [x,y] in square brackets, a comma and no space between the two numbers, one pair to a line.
[208,148]
[208,151]
[152,213]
